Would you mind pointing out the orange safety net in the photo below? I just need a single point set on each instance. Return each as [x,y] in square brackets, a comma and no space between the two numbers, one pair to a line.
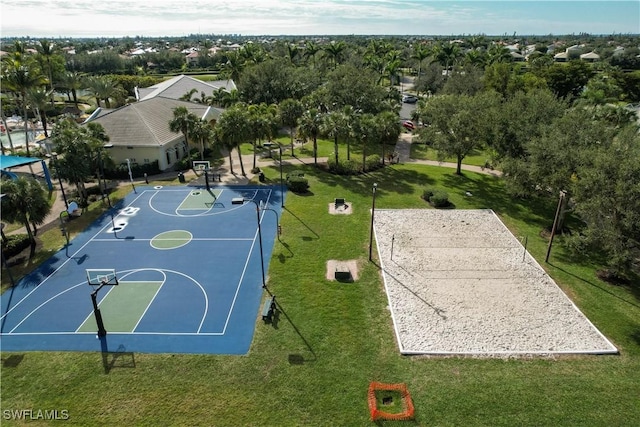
[377,414]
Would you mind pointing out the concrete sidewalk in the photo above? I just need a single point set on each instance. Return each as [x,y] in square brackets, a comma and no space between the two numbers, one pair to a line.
[403,148]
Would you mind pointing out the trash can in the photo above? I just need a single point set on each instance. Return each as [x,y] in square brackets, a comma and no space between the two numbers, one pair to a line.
[181,177]
[261,177]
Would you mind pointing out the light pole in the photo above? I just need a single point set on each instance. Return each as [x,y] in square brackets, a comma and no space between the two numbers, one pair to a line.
[373,210]
[281,181]
[264,285]
[54,157]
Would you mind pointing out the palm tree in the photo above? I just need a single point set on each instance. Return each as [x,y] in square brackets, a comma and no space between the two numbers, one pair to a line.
[310,50]
[334,125]
[102,88]
[232,129]
[19,77]
[420,53]
[498,53]
[72,82]
[349,116]
[38,98]
[47,50]
[234,66]
[447,55]
[389,129]
[365,130]
[188,94]
[292,52]
[309,126]
[201,131]
[263,118]
[392,69]
[290,110]
[25,200]
[334,52]
[217,97]
[183,121]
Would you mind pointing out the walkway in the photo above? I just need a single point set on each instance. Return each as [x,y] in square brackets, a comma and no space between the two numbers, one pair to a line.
[403,148]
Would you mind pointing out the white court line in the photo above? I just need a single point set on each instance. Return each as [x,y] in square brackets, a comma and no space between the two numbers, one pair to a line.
[131,271]
[235,296]
[164,280]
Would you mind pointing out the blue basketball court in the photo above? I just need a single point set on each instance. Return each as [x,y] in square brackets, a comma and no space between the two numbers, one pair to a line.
[188,262]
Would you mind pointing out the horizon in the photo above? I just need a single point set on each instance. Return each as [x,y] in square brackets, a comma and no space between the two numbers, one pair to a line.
[290,18]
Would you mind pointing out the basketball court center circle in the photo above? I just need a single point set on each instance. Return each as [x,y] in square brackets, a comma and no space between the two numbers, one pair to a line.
[171,239]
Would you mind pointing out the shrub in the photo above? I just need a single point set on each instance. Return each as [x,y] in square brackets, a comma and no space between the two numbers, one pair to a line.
[15,244]
[344,166]
[427,193]
[297,184]
[372,162]
[439,199]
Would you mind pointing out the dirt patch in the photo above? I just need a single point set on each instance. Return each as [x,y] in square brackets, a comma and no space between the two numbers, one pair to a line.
[351,265]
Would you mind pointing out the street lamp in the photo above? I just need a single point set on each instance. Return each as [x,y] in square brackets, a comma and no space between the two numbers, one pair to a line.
[54,157]
[373,210]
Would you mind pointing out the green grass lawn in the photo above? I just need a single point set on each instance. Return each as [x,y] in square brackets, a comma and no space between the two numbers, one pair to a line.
[331,339]
[424,152]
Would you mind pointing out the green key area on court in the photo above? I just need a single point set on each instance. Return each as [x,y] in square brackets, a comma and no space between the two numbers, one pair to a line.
[123,305]
[189,268]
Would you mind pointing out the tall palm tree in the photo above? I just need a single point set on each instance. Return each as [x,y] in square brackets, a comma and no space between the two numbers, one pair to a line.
[183,121]
[334,125]
[349,115]
[290,110]
[389,130]
[263,119]
[292,53]
[201,131]
[498,53]
[47,50]
[392,68]
[72,82]
[232,129]
[103,88]
[334,52]
[20,76]
[447,54]
[310,50]
[420,53]
[38,97]
[234,66]
[309,126]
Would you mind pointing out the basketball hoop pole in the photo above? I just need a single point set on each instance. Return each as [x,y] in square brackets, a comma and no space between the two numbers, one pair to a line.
[96,312]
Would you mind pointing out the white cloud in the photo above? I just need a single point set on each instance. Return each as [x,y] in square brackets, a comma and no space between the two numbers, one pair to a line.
[179,17]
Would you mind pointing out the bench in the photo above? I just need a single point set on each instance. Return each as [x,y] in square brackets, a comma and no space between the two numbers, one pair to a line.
[268,308]
[339,202]
[237,201]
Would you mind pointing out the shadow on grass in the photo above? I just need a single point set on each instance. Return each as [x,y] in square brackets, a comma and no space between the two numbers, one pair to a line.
[120,358]
[317,236]
[12,361]
[595,285]
[294,358]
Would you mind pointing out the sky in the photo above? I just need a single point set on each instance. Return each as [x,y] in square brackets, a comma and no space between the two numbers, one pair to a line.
[157,18]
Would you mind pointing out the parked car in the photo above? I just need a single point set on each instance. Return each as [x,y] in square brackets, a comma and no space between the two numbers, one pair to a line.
[409,99]
[408,125]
